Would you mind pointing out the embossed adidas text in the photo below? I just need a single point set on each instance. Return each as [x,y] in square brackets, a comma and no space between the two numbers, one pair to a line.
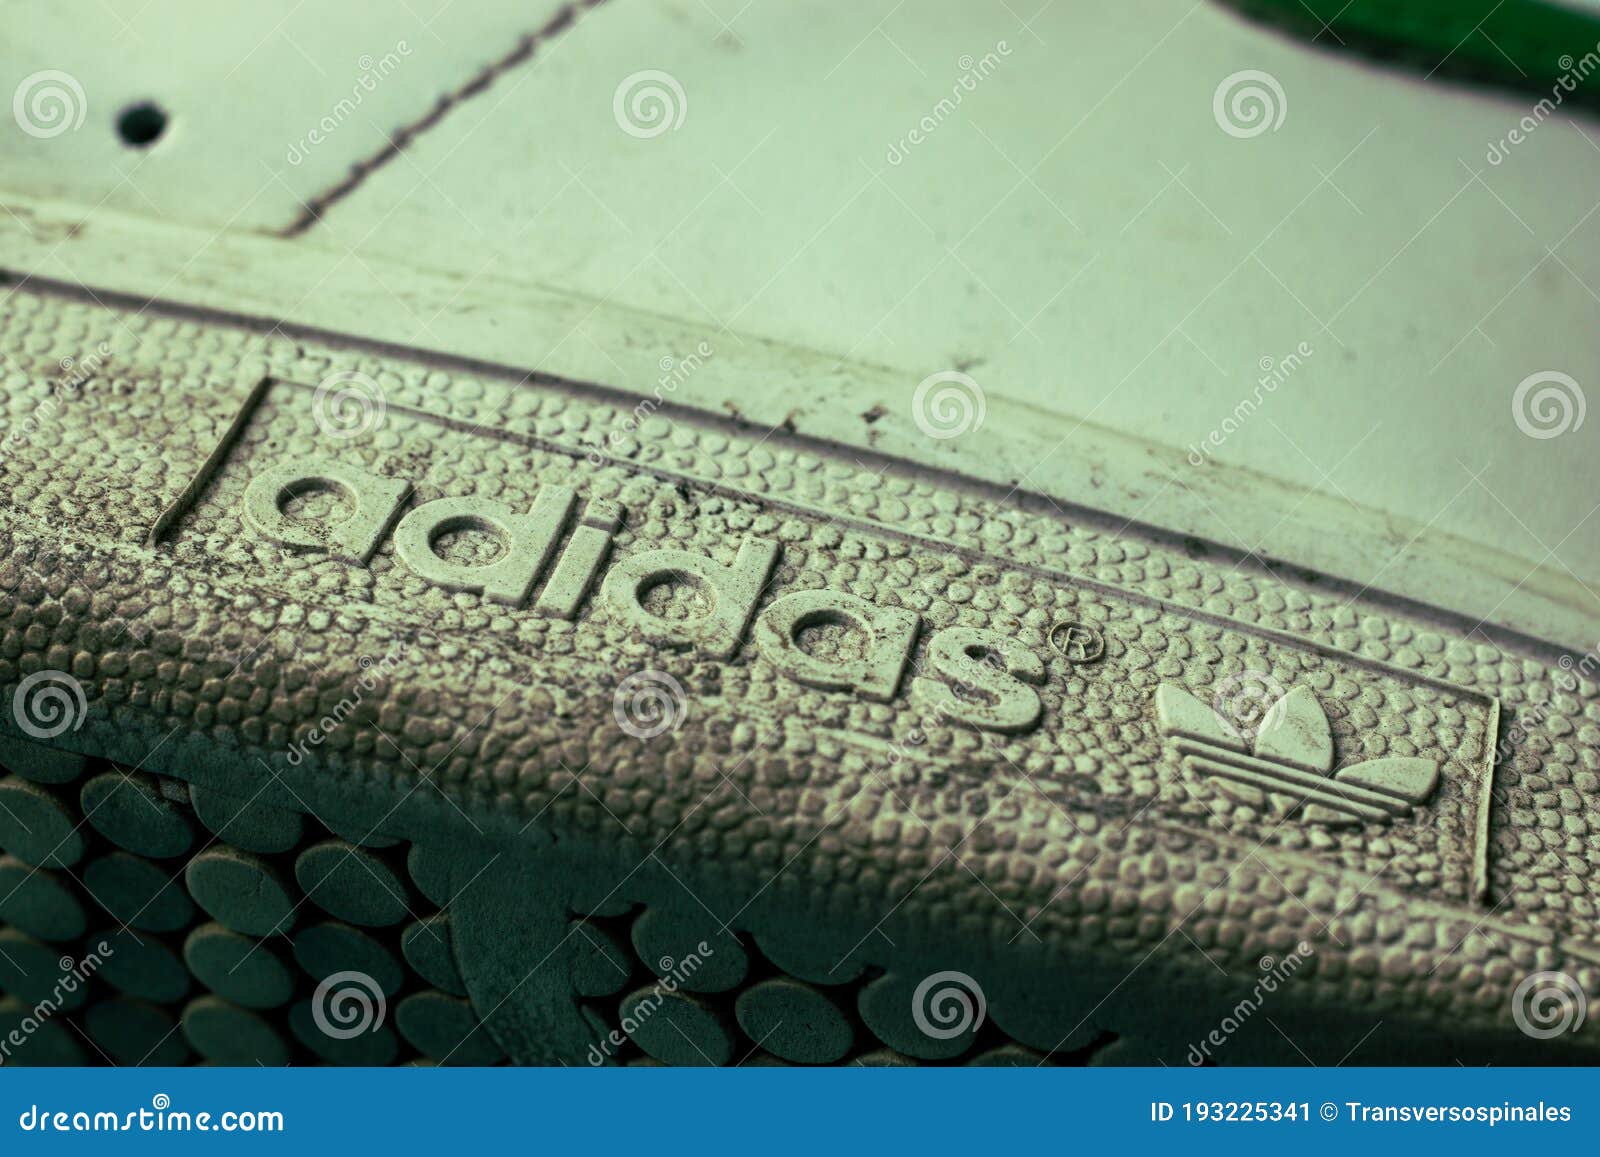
[977,678]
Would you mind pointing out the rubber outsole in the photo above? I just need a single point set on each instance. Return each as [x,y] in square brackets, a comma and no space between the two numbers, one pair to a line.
[882,750]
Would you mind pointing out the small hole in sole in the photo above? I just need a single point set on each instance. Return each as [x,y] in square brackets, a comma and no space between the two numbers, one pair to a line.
[140,125]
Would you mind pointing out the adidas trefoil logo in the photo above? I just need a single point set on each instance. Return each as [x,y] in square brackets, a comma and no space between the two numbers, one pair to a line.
[1289,767]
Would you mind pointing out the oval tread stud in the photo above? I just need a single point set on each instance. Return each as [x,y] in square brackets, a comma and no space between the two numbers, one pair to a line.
[364,836]
[330,947]
[813,954]
[138,893]
[223,1032]
[40,763]
[764,1061]
[427,948]
[48,1042]
[602,1050]
[795,1021]
[141,966]
[444,1028]
[36,972]
[130,811]
[677,1028]
[247,822]
[360,820]
[429,868]
[598,898]
[371,1047]
[892,1005]
[1125,1052]
[602,961]
[37,827]
[669,942]
[39,902]
[238,968]
[1010,1056]
[241,891]
[352,884]
[135,1032]
[884,1059]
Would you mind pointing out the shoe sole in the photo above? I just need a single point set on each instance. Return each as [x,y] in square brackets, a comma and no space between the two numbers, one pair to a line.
[566,726]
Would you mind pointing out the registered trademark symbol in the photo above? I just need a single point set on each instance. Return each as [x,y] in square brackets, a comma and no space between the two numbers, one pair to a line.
[1077,642]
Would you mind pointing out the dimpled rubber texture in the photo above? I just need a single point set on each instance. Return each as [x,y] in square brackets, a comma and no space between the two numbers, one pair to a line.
[1073,866]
